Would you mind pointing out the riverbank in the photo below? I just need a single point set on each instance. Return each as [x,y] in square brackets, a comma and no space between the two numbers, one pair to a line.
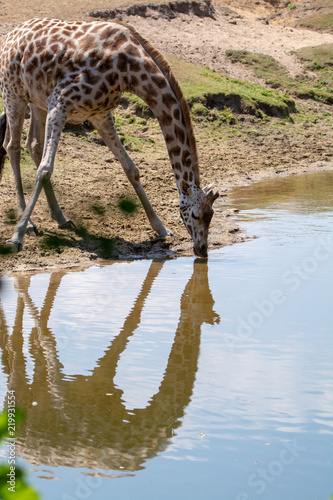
[240,140]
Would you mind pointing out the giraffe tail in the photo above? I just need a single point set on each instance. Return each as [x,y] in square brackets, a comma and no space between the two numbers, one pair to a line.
[2,138]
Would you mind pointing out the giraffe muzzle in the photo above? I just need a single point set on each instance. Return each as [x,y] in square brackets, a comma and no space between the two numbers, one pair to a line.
[200,250]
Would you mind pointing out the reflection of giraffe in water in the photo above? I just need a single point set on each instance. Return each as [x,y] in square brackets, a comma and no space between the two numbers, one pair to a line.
[88,411]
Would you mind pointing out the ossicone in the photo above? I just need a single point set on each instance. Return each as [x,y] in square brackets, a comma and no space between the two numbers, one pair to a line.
[211,197]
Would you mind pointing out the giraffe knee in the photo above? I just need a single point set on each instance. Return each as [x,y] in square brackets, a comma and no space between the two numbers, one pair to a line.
[13,149]
[133,173]
[35,149]
[44,174]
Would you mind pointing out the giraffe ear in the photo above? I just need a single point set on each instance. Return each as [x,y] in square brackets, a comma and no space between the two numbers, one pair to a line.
[185,188]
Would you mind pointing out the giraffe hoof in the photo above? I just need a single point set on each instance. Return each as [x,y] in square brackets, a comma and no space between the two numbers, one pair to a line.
[14,246]
[165,232]
[32,230]
[67,225]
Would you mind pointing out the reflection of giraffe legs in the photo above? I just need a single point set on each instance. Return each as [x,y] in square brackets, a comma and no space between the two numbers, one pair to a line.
[96,429]
[13,358]
[4,340]
[110,360]
[41,337]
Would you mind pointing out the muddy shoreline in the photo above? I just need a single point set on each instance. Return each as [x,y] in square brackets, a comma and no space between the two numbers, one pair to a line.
[224,232]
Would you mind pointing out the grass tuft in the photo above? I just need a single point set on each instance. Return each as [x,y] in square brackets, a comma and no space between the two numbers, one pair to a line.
[127,206]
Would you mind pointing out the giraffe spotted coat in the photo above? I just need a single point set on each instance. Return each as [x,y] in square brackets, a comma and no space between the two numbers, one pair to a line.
[74,71]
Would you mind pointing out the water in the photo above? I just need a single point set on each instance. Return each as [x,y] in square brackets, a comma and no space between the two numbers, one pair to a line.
[184,379]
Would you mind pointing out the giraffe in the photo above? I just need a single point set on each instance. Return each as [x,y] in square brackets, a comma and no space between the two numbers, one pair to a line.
[75,71]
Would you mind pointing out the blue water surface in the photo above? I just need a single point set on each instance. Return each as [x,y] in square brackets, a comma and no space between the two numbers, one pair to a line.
[184,379]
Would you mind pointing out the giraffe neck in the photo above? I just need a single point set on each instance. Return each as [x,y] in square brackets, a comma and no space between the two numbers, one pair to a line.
[161,91]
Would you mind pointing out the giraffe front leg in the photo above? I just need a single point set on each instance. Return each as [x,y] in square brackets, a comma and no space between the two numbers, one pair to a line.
[35,145]
[107,131]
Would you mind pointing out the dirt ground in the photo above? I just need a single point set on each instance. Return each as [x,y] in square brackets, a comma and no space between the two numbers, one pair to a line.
[89,182]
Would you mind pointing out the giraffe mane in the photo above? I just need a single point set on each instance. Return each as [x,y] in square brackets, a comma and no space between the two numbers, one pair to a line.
[165,68]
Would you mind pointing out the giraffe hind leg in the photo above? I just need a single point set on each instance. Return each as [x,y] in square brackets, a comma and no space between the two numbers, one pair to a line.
[3,122]
[12,143]
[56,118]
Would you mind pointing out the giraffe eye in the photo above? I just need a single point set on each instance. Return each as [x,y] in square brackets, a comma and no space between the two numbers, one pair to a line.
[194,216]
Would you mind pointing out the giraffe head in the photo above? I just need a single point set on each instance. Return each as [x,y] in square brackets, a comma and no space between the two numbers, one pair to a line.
[197,212]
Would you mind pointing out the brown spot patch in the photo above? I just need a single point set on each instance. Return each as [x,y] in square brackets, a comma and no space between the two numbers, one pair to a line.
[165,119]
[180,134]
[152,103]
[87,90]
[105,64]
[79,34]
[151,67]
[86,42]
[132,51]
[122,62]
[90,77]
[186,158]
[176,114]
[159,81]
[118,41]
[108,33]
[32,65]
[112,78]
[134,65]
[168,100]
[175,151]
[97,28]
[88,103]
[94,57]
[55,48]
[133,82]
[149,89]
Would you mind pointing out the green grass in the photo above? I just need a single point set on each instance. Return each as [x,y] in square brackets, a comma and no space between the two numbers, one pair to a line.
[319,22]
[205,86]
[319,60]
[98,209]
[263,66]
[55,242]
[276,75]
[205,89]
[321,17]
[127,206]
[22,490]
